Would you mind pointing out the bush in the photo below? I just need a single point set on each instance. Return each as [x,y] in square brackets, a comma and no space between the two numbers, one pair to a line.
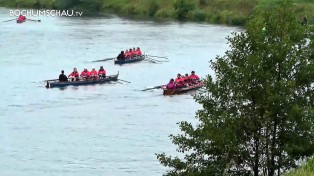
[198,15]
[183,7]
[153,7]
[237,20]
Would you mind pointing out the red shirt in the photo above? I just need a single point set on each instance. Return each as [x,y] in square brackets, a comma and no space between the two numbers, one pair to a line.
[139,52]
[85,73]
[76,74]
[101,72]
[22,18]
[194,77]
[93,73]
[177,80]
[133,53]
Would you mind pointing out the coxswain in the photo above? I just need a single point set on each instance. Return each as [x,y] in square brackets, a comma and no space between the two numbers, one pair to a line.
[74,75]
[93,74]
[171,84]
[121,56]
[85,73]
[62,77]
[102,72]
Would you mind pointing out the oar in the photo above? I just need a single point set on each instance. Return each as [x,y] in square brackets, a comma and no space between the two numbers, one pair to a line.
[156,87]
[50,80]
[9,20]
[153,61]
[34,20]
[101,60]
[124,80]
[148,58]
[158,56]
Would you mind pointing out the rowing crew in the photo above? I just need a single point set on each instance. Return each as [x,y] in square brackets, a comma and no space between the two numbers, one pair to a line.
[85,75]
[183,81]
[128,54]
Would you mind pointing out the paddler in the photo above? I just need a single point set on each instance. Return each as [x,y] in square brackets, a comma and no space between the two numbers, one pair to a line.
[121,56]
[85,73]
[171,84]
[138,51]
[74,75]
[93,74]
[102,72]
[21,18]
[194,78]
[179,81]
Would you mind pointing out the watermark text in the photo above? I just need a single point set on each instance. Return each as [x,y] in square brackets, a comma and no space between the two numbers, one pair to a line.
[52,13]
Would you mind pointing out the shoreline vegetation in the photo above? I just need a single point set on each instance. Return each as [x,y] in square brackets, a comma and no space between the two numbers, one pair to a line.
[229,12]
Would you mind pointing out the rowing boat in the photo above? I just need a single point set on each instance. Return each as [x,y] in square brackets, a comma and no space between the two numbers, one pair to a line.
[20,21]
[182,90]
[132,60]
[57,83]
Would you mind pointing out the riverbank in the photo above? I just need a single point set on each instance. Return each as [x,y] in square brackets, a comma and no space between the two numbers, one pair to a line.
[305,170]
[230,12]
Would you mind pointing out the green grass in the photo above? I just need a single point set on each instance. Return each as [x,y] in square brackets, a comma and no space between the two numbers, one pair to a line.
[306,170]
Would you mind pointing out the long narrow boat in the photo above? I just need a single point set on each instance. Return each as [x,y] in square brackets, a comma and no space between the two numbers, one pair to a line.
[132,60]
[182,90]
[57,83]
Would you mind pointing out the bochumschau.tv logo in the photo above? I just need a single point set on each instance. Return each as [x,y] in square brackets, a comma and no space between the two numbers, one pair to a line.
[53,13]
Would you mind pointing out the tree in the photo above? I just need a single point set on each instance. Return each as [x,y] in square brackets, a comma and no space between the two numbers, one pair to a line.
[258,116]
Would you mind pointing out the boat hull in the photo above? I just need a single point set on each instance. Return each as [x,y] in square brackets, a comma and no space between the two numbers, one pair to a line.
[127,61]
[56,83]
[20,21]
[182,90]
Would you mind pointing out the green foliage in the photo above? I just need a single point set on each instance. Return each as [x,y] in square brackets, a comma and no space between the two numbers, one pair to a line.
[152,8]
[65,4]
[198,15]
[183,7]
[258,117]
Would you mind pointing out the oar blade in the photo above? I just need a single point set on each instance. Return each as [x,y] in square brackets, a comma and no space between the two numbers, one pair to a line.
[151,88]
[104,60]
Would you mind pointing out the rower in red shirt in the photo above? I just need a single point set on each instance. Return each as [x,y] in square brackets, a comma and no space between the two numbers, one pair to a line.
[102,72]
[85,74]
[138,51]
[194,78]
[179,81]
[187,80]
[134,52]
[74,75]
[126,53]
[21,18]
[93,74]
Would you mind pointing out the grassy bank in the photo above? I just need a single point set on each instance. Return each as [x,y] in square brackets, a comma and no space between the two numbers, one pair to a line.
[232,12]
[306,170]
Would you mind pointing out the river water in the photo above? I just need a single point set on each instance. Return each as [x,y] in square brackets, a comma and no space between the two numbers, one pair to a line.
[110,129]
